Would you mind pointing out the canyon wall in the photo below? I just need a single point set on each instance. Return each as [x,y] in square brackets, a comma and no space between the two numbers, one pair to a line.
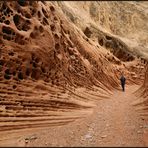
[56,58]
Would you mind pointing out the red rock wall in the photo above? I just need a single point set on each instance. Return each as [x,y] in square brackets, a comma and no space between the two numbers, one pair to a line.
[37,43]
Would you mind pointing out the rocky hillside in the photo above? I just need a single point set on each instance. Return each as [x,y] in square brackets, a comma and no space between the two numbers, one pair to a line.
[110,23]
[51,66]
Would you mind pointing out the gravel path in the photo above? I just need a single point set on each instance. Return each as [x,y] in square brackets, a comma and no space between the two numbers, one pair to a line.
[114,122]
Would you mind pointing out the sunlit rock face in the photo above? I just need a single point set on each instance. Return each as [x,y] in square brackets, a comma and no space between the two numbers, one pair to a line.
[125,20]
[46,65]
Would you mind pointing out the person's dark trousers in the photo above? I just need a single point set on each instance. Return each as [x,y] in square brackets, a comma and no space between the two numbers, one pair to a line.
[123,86]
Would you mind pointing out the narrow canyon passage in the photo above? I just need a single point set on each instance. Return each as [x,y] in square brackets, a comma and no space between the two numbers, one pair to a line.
[60,63]
[114,122]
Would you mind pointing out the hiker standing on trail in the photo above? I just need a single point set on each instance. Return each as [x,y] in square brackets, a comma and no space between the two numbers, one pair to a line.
[123,79]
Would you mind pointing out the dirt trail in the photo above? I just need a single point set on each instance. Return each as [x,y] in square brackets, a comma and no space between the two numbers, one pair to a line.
[113,123]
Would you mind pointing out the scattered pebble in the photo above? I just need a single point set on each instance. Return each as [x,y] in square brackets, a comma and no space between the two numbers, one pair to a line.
[91,140]
[107,125]
[103,136]
[88,136]
[27,139]
[139,132]
[33,137]
[46,144]
[90,129]
[82,139]
[145,126]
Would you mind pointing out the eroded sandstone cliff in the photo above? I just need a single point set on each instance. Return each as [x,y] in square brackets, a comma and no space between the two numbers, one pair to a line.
[43,60]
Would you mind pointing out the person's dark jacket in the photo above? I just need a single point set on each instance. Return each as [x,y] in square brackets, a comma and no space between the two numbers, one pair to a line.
[122,79]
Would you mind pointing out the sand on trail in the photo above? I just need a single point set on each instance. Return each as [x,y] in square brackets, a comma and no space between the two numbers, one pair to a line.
[114,122]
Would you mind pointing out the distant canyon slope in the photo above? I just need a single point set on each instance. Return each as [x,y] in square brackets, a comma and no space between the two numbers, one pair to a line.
[127,21]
